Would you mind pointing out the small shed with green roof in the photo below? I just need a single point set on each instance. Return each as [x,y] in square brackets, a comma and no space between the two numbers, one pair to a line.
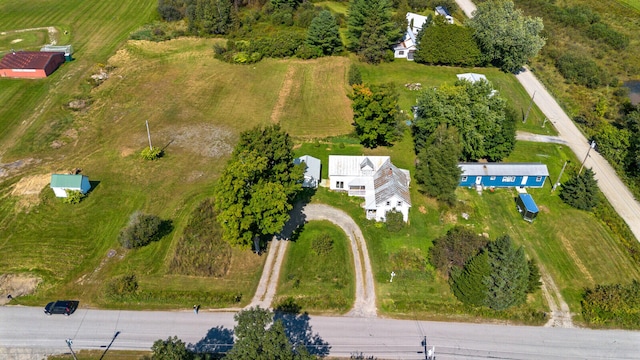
[60,183]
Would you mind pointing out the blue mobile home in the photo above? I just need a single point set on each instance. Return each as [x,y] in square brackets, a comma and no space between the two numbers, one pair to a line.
[503,174]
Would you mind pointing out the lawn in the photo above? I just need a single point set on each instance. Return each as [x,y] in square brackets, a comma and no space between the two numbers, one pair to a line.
[318,281]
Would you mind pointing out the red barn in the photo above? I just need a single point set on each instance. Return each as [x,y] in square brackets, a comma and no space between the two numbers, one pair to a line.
[30,64]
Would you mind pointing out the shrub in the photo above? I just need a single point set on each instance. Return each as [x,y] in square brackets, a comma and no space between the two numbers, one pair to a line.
[613,305]
[603,32]
[141,230]
[580,69]
[394,220]
[322,244]
[122,286]
[455,248]
[355,76]
[308,52]
[73,197]
[151,153]
[448,45]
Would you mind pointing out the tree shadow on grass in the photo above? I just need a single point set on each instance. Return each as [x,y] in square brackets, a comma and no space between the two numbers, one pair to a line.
[292,229]
[298,330]
[218,341]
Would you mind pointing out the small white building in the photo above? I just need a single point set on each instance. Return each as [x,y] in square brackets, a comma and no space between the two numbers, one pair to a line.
[472,77]
[383,186]
[60,183]
[312,173]
[408,45]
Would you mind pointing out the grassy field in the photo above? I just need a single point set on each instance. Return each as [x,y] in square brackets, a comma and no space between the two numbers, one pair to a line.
[319,283]
[196,107]
[635,4]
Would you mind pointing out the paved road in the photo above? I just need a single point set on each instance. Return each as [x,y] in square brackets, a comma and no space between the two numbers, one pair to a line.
[25,330]
[365,301]
[610,184]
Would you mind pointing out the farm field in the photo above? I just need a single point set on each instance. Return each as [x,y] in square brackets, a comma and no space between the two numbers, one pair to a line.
[196,107]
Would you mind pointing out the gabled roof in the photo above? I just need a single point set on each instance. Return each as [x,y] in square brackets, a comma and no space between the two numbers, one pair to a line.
[347,165]
[27,59]
[313,165]
[389,181]
[416,21]
[66,181]
[441,10]
[504,169]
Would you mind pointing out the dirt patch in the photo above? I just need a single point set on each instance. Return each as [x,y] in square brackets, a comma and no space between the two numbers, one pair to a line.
[13,167]
[422,210]
[28,189]
[285,90]
[16,285]
[126,152]
[202,139]
[543,209]
[14,41]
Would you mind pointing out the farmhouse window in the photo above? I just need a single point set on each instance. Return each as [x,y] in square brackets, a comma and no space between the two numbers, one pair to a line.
[539,178]
[339,184]
[400,52]
[508,179]
[493,178]
[388,203]
[399,203]
[464,178]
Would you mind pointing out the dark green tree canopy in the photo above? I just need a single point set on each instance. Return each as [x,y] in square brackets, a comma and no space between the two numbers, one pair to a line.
[475,110]
[443,44]
[257,188]
[171,349]
[371,30]
[437,170]
[455,248]
[324,33]
[506,37]
[375,114]
[498,277]
[207,17]
[581,191]
[260,337]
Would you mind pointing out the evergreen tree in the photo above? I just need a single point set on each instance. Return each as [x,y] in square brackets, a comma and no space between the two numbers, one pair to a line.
[442,44]
[509,278]
[375,114]
[324,33]
[437,170]
[355,76]
[470,284]
[455,248]
[581,191]
[371,31]
[534,277]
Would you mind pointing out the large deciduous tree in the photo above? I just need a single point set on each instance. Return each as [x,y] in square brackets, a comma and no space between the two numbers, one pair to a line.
[259,337]
[506,37]
[171,349]
[208,17]
[455,248]
[581,191]
[371,30]
[375,114]
[443,44]
[258,186]
[324,33]
[437,170]
[475,110]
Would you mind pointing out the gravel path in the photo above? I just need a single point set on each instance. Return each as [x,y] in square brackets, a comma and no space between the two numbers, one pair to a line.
[365,302]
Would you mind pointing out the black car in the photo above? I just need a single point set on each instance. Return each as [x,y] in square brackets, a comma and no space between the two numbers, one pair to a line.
[66,307]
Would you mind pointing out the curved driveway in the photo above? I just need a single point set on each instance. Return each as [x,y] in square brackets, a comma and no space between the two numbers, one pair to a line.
[365,302]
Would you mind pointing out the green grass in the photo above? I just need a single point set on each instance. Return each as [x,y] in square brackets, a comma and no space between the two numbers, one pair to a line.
[635,4]
[321,283]
[28,40]
[336,7]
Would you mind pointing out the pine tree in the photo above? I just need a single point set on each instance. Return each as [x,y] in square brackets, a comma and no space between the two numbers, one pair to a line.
[581,191]
[324,33]
[509,279]
[470,284]
[437,171]
[371,31]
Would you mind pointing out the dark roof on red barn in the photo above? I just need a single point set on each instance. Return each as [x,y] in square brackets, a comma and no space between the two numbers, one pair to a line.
[27,59]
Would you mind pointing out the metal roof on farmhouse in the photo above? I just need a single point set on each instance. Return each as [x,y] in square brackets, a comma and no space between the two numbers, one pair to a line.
[66,181]
[27,59]
[504,169]
[347,165]
[389,181]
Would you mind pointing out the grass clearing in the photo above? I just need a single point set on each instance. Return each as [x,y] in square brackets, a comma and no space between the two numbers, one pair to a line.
[319,283]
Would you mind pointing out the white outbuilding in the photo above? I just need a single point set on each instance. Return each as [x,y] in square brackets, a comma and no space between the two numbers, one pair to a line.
[60,183]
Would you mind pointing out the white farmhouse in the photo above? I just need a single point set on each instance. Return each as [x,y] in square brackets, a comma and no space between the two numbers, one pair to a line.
[383,186]
[405,48]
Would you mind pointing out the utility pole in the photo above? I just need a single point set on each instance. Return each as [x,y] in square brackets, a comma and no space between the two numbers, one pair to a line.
[149,135]
[69,343]
[559,176]
[429,352]
[591,146]
[529,109]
